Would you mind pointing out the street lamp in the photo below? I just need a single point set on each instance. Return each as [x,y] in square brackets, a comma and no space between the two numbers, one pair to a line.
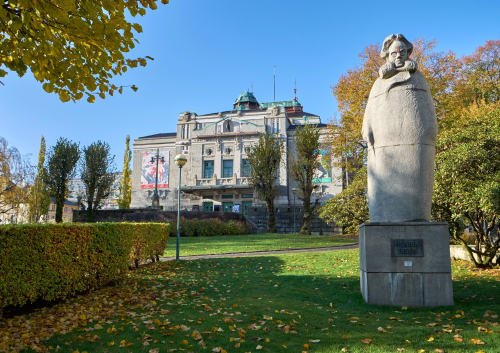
[180,160]
[156,197]
[294,191]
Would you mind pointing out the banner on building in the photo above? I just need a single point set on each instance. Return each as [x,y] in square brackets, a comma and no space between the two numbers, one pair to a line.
[324,171]
[148,173]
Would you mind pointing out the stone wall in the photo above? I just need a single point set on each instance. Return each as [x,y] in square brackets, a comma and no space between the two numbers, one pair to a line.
[284,221]
[457,252]
[146,215]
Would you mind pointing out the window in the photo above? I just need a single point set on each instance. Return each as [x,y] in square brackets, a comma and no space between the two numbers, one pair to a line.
[227,196]
[246,196]
[227,171]
[208,171]
[245,168]
[185,131]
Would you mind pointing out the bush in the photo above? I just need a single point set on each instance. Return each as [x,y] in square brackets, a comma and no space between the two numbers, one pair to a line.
[207,227]
[50,261]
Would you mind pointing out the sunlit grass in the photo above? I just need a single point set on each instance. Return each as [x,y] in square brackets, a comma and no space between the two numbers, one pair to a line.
[288,303]
[251,242]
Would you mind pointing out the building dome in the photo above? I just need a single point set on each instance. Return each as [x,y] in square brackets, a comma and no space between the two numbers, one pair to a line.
[247,100]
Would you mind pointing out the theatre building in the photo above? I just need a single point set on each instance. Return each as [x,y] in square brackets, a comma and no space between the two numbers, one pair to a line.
[216,146]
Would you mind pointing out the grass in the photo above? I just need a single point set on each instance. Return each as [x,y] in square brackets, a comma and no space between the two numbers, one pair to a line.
[301,302]
[252,242]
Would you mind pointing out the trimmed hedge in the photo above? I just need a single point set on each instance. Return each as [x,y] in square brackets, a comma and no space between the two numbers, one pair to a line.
[51,261]
[207,227]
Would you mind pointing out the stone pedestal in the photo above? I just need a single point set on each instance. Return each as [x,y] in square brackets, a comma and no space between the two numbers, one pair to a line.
[405,264]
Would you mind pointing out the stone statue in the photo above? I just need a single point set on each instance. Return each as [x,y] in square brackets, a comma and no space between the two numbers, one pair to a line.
[400,128]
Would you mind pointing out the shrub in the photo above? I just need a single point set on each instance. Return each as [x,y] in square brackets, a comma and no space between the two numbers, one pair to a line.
[207,227]
[50,261]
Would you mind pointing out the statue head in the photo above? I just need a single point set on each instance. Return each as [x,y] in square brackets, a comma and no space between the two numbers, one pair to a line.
[396,49]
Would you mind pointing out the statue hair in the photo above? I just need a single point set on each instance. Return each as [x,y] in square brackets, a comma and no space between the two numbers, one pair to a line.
[391,39]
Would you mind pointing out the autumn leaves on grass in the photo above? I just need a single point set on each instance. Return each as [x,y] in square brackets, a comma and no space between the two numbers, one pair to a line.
[256,304]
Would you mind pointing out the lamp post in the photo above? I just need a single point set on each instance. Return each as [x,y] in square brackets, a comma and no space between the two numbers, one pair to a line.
[156,197]
[180,160]
[294,191]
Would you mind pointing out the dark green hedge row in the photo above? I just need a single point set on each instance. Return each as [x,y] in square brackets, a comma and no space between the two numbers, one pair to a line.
[207,227]
[53,261]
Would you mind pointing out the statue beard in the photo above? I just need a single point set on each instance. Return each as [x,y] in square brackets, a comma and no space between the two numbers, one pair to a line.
[390,69]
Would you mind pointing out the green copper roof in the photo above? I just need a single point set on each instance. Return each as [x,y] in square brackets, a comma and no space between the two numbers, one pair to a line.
[246,97]
[240,107]
[293,103]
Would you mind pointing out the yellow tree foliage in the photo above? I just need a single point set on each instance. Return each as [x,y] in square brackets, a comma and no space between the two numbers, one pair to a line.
[73,47]
[16,176]
[480,75]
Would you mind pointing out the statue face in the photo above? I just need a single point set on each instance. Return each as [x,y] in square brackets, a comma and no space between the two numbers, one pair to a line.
[398,53]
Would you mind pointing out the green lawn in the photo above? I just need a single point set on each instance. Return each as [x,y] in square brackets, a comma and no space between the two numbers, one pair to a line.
[302,302]
[251,242]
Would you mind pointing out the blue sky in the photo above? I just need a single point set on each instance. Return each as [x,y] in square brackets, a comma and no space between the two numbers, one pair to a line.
[208,52]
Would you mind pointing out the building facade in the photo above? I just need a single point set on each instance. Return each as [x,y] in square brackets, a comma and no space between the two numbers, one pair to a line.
[76,193]
[67,211]
[215,177]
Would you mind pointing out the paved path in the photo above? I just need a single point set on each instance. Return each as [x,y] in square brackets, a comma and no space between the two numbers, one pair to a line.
[262,253]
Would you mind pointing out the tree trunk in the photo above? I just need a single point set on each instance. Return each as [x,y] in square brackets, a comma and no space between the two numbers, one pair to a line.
[308,212]
[90,211]
[306,218]
[271,220]
[59,209]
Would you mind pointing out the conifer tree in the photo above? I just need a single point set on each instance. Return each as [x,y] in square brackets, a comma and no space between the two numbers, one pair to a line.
[60,168]
[39,193]
[125,197]
[97,171]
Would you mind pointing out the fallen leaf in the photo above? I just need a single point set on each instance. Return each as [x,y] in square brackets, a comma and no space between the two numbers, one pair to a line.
[306,346]
[366,341]
[381,329]
[476,341]
[400,349]
[345,336]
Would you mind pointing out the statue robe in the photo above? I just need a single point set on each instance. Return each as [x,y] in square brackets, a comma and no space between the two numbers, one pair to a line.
[400,128]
